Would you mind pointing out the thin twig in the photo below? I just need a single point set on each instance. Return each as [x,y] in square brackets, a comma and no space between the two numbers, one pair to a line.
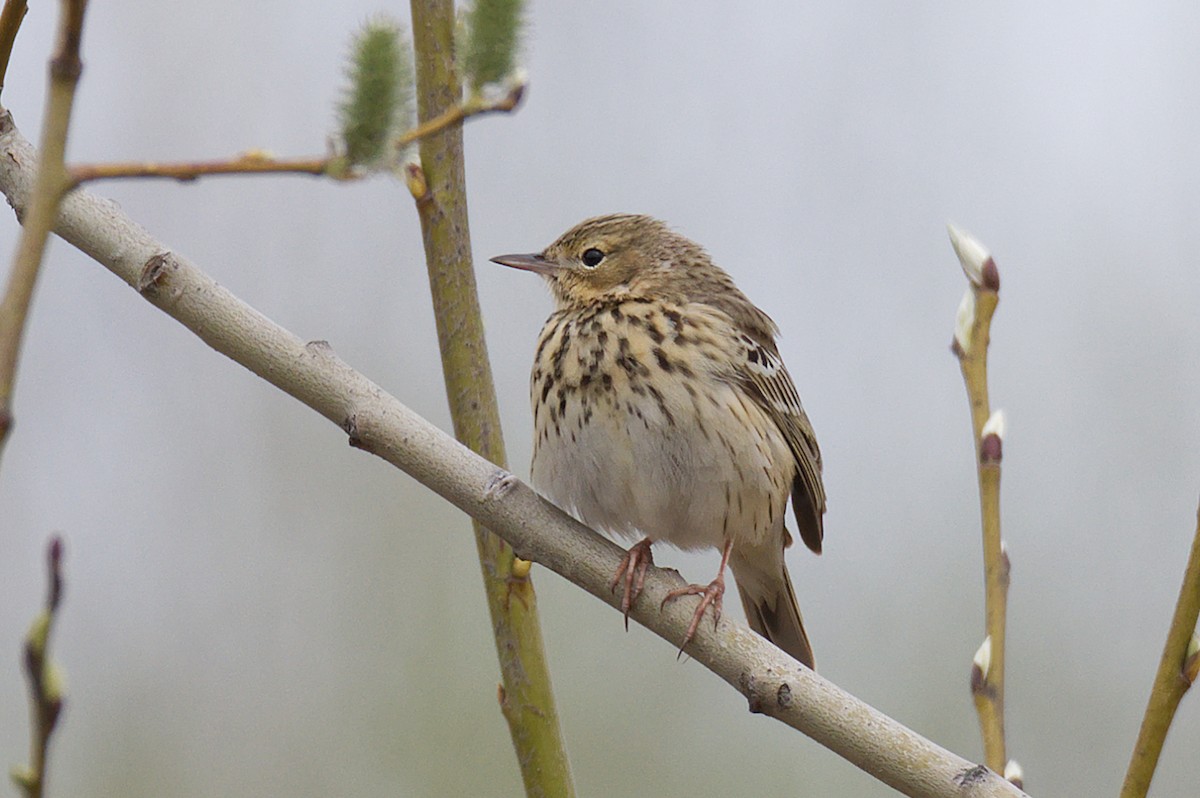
[475,106]
[1174,677]
[45,683]
[439,189]
[259,162]
[255,162]
[771,681]
[65,68]
[971,338]
[10,22]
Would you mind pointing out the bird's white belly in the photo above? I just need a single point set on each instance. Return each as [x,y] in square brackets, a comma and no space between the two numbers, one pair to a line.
[691,472]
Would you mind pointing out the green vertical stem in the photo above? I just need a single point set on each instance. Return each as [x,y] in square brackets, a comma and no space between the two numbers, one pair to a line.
[1170,682]
[526,698]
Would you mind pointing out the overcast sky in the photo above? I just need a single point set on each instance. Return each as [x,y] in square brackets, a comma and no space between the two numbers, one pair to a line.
[254,608]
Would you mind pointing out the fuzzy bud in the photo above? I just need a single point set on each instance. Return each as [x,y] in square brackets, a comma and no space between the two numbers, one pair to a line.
[1191,660]
[490,40]
[977,263]
[964,321]
[378,102]
[980,665]
[1014,774]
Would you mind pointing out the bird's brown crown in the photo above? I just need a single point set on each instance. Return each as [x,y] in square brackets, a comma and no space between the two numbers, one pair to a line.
[626,256]
[621,257]
[642,258]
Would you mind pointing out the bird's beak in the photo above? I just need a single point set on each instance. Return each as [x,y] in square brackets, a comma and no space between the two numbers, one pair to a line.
[530,263]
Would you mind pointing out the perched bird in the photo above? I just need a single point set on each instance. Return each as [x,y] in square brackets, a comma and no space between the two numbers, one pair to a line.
[662,410]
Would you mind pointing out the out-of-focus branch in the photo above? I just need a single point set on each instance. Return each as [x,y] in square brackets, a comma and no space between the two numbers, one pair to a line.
[1177,670]
[259,162]
[971,337]
[440,191]
[773,683]
[65,68]
[10,22]
[45,681]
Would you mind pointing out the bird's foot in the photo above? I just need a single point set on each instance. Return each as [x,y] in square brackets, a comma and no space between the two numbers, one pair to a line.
[710,596]
[632,571]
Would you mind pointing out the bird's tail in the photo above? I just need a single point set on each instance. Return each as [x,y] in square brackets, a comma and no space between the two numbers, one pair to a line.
[770,602]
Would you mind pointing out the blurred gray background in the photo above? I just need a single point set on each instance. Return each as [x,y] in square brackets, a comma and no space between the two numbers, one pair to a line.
[254,608]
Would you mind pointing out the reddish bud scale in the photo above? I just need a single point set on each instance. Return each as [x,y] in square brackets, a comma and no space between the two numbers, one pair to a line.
[978,681]
[1191,668]
[991,275]
[991,450]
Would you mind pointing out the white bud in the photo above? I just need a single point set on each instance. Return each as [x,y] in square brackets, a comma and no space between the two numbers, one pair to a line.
[964,321]
[1191,660]
[983,657]
[1014,774]
[995,425]
[971,254]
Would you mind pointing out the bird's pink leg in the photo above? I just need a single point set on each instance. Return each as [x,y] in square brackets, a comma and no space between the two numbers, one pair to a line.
[632,571]
[710,596]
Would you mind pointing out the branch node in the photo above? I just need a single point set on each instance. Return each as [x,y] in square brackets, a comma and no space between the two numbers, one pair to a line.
[350,426]
[972,777]
[750,688]
[153,272]
[66,68]
[499,485]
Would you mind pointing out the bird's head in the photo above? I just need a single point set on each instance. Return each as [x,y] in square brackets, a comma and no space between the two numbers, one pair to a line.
[613,258]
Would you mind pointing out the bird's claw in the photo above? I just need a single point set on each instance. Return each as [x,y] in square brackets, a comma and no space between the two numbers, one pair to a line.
[710,596]
[632,571]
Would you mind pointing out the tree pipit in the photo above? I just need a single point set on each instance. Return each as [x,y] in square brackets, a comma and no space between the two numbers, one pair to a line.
[662,410]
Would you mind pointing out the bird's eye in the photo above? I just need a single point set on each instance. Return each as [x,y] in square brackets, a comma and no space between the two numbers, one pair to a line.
[592,257]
